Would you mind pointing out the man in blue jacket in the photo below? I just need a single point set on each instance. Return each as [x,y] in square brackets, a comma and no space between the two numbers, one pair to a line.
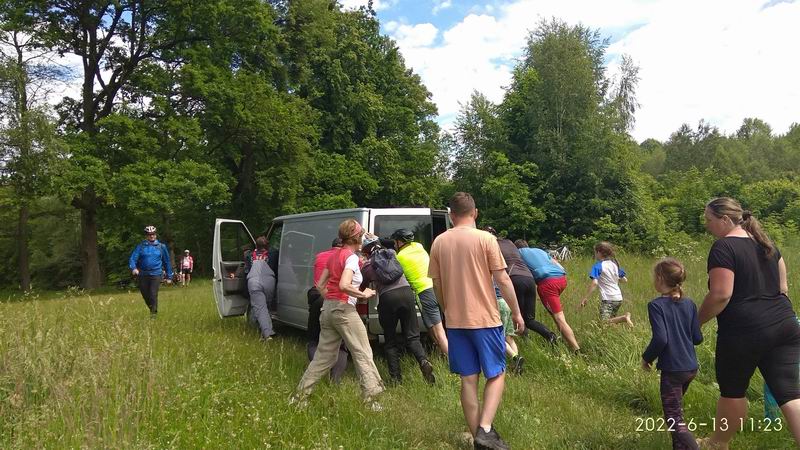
[148,261]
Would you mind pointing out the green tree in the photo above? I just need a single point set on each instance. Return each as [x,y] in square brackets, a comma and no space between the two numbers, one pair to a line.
[115,40]
[372,109]
[27,134]
[560,118]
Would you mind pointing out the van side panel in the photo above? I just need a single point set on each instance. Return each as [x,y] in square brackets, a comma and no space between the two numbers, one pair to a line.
[301,239]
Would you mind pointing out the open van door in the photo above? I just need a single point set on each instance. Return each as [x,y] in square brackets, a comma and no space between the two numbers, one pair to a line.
[440,222]
[231,240]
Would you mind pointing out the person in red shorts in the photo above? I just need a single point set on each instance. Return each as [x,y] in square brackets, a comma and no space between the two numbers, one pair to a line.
[551,280]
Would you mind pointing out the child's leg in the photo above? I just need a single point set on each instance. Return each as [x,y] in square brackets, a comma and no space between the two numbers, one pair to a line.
[608,312]
[511,346]
[626,318]
[517,361]
[673,387]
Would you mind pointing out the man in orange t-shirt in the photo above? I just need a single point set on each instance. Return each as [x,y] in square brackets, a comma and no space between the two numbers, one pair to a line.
[465,264]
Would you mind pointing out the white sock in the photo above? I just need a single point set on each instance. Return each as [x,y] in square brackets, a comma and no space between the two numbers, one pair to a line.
[487,429]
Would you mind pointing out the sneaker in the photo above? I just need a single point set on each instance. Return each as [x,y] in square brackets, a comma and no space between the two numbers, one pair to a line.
[427,371]
[516,364]
[490,440]
[554,339]
[374,406]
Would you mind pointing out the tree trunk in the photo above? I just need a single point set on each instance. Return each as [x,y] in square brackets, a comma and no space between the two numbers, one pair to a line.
[243,191]
[169,241]
[90,256]
[23,260]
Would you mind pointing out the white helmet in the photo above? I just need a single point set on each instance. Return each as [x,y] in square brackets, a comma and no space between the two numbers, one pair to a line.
[149,229]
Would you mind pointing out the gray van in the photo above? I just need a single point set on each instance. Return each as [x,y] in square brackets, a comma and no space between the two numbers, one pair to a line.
[298,238]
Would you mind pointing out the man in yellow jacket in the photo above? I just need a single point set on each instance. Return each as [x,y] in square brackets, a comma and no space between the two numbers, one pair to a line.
[414,260]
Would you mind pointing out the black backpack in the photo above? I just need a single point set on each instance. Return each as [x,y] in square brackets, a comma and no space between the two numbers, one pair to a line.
[387,268]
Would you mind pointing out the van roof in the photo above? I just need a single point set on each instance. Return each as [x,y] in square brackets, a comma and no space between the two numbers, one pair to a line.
[350,210]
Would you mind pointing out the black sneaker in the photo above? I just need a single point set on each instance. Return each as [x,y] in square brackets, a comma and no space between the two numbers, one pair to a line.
[489,441]
[516,365]
[427,371]
[553,339]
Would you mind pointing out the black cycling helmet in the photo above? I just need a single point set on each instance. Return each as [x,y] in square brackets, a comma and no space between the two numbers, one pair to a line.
[403,235]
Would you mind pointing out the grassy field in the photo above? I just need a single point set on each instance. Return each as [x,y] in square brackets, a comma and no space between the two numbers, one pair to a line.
[94,371]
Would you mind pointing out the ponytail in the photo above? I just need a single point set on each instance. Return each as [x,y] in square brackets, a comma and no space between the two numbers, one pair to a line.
[753,226]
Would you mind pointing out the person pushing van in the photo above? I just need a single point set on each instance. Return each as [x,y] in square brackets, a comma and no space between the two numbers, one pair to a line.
[415,260]
[339,285]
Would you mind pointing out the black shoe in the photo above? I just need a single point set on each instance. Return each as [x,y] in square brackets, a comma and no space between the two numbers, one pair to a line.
[490,440]
[553,339]
[516,365]
[427,371]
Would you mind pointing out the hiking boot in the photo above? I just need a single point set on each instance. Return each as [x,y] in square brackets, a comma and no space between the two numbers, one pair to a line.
[489,441]
[427,371]
[516,364]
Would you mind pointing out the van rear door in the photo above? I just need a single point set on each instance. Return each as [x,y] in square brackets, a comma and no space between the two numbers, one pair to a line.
[425,223]
[231,240]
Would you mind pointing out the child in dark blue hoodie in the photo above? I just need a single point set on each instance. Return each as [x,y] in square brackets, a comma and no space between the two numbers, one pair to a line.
[676,330]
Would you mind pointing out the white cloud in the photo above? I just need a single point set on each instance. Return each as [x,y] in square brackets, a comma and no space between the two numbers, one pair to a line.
[420,35]
[716,60]
[441,4]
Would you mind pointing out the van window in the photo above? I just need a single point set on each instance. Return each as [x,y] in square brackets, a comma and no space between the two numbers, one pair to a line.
[274,236]
[234,241]
[305,238]
[301,242]
[419,224]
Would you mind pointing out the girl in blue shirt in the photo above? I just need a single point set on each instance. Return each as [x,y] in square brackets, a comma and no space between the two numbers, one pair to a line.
[676,330]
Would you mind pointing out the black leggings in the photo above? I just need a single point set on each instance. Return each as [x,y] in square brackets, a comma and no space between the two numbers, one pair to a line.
[525,288]
[399,305]
[148,286]
[673,388]
[775,350]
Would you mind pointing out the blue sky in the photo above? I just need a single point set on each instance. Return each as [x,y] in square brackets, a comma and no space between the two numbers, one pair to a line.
[718,60]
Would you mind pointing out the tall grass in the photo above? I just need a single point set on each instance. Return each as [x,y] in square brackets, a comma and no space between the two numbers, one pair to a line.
[93,370]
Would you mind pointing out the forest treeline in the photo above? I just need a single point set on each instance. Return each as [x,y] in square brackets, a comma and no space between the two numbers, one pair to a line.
[174,113]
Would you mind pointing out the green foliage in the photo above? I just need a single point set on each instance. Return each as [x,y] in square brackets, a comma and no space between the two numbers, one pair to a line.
[506,193]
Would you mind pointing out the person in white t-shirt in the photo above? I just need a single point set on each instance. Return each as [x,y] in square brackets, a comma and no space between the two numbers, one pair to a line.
[339,320]
[606,274]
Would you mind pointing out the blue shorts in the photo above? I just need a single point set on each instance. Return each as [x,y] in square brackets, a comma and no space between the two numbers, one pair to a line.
[472,351]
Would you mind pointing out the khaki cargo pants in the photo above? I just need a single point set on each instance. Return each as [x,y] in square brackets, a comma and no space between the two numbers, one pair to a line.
[339,321]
